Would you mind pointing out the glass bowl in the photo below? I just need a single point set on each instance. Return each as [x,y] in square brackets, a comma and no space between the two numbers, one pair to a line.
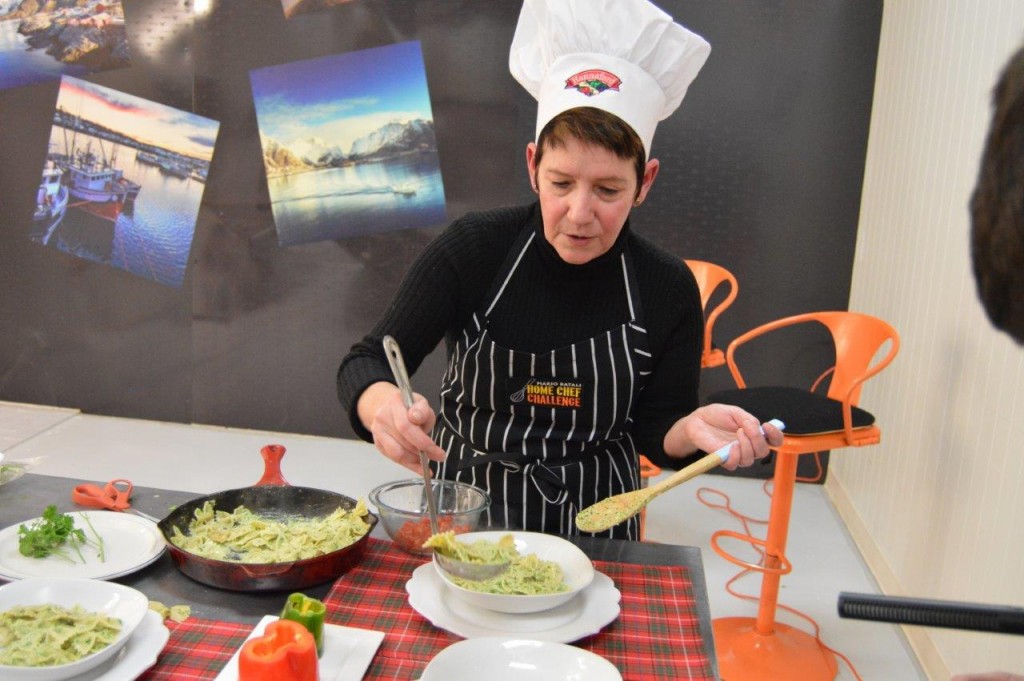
[402,508]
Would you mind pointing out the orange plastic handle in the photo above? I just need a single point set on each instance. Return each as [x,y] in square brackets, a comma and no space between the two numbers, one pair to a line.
[115,495]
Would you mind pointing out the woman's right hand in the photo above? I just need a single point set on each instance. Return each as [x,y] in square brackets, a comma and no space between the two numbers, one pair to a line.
[399,433]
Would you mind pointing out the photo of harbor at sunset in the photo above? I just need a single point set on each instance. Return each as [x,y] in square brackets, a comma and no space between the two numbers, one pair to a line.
[348,144]
[41,41]
[122,181]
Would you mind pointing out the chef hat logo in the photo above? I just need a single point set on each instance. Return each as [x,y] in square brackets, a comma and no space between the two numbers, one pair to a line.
[642,62]
[593,82]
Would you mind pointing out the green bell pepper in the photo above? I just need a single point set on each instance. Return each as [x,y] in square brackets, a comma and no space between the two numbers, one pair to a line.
[309,612]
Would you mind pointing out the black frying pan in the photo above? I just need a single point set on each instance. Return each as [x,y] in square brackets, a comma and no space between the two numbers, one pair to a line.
[271,497]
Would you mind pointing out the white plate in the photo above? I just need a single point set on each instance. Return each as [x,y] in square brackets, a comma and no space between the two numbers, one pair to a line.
[124,603]
[511,659]
[347,652]
[591,611]
[130,543]
[141,652]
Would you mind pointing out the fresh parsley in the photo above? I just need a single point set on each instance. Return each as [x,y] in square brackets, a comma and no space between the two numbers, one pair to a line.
[51,534]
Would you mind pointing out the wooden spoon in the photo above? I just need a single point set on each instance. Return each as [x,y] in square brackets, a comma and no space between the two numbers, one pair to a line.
[609,512]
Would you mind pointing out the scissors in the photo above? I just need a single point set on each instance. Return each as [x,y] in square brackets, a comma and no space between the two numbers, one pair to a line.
[114,496]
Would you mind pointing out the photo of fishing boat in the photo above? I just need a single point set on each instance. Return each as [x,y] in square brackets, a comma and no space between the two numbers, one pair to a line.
[96,181]
[126,168]
[51,203]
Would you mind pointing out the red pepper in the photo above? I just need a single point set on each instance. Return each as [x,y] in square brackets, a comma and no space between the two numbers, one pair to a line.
[285,652]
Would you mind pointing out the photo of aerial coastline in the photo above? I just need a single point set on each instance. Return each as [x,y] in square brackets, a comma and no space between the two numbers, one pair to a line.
[122,181]
[41,41]
[348,144]
[294,7]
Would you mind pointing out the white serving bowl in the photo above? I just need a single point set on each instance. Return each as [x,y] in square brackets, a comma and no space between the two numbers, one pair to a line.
[108,598]
[511,659]
[576,568]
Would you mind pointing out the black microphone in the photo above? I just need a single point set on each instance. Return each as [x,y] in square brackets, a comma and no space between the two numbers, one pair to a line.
[1001,619]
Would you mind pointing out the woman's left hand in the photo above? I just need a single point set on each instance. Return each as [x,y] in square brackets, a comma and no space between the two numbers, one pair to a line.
[715,425]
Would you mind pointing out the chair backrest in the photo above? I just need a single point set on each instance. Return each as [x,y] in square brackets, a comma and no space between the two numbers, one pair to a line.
[709,277]
[857,337]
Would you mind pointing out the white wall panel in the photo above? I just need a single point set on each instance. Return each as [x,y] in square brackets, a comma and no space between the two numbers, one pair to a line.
[939,498]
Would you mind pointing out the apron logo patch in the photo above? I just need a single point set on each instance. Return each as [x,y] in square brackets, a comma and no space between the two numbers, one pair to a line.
[550,393]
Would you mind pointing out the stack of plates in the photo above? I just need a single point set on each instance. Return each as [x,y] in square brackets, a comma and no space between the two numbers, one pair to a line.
[591,610]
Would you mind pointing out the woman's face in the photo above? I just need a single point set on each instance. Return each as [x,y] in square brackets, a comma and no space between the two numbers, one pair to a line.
[586,193]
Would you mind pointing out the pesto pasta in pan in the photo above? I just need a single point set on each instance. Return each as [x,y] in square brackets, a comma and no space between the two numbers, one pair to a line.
[242,536]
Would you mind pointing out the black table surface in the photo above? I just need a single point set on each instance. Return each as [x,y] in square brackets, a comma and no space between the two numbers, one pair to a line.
[26,498]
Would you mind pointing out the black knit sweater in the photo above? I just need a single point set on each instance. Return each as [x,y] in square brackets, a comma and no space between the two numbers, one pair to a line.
[548,304]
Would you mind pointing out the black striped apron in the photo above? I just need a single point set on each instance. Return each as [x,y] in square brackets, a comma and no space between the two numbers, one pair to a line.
[546,434]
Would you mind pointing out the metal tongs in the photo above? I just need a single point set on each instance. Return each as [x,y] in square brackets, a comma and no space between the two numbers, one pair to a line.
[453,566]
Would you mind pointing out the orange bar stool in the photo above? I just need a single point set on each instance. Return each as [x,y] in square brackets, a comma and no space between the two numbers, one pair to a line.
[709,277]
[755,649]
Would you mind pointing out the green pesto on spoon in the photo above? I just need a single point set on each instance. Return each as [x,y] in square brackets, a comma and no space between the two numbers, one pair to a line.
[609,512]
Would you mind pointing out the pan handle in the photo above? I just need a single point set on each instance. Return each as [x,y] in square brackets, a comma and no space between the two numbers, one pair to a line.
[272,455]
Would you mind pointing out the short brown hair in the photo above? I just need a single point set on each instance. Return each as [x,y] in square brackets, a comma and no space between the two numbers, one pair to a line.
[997,206]
[595,126]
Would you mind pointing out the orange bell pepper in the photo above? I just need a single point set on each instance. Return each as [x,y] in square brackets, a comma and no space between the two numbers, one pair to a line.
[285,652]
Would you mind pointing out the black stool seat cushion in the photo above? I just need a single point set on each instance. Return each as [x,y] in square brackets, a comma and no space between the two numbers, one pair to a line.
[803,412]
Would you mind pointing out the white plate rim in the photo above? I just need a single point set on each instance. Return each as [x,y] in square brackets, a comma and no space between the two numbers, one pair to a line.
[88,571]
[356,661]
[609,672]
[601,609]
[139,654]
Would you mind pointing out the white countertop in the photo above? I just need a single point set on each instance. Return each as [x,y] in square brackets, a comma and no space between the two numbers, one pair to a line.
[202,459]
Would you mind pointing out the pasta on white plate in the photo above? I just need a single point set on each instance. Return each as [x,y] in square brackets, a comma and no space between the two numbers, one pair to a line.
[242,536]
[48,635]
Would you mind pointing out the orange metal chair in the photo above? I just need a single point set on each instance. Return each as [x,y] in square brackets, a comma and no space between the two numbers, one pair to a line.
[753,649]
[709,277]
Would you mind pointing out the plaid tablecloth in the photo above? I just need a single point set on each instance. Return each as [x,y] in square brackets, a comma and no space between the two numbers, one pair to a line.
[656,635]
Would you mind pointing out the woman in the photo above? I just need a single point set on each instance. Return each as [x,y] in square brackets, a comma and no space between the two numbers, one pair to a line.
[572,343]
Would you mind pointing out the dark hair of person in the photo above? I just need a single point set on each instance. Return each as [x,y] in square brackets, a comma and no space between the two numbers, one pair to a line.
[997,206]
[594,126]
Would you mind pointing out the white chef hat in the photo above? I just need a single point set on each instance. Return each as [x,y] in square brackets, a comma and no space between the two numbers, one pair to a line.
[624,56]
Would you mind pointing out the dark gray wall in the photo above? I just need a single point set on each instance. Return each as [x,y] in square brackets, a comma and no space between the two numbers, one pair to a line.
[761,171]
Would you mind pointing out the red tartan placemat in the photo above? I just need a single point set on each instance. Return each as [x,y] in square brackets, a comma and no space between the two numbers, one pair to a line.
[197,649]
[655,637]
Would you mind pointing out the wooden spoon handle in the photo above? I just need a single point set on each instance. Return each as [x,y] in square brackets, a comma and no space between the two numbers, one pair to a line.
[701,465]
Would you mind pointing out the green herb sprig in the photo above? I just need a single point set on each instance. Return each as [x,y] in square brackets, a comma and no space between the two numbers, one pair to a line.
[53,532]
